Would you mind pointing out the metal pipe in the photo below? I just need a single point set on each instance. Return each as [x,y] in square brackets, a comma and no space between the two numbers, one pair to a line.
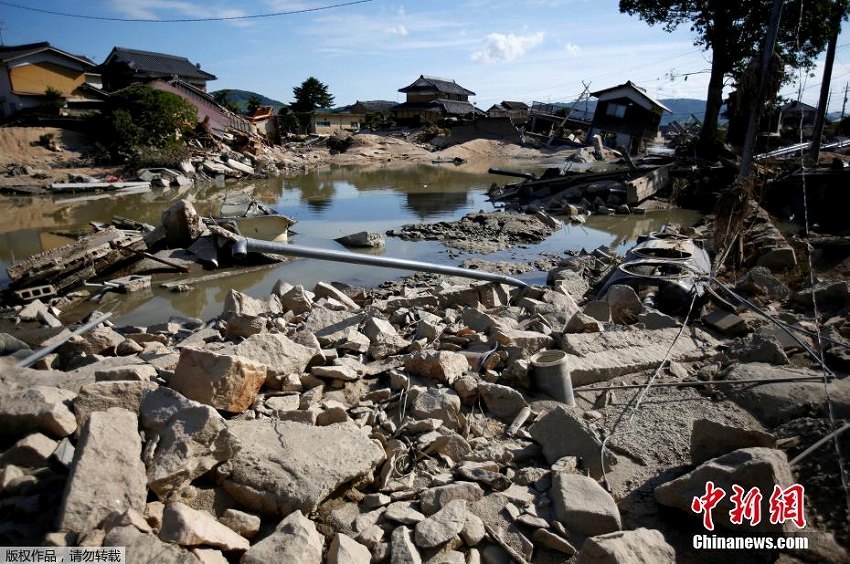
[38,355]
[692,384]
[246,244]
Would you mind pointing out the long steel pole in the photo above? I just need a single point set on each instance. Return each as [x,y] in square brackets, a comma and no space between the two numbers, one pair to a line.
[247,244]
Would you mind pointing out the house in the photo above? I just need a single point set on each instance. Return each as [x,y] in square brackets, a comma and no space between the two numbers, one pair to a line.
[626,116]
[516,111]
[220,121]
[265,123]
[795,116]
[431,99]
[327,121]
[27,71]
[124,67]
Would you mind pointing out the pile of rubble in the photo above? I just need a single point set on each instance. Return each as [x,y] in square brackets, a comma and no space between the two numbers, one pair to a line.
[406,424]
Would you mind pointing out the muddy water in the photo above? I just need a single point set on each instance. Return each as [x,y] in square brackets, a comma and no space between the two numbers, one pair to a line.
[326,203]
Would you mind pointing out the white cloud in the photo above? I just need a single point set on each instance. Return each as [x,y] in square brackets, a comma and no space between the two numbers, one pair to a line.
[499,47]
[399,30]
[572,49]
[171,9]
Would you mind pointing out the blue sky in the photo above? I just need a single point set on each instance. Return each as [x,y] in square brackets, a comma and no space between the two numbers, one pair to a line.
[503,50]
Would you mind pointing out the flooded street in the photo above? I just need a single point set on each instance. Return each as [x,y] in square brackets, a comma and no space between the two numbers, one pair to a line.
[327,204]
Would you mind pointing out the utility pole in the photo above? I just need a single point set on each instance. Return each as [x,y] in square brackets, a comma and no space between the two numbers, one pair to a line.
[838,10]
[2,27]
[758,99]
[844,103]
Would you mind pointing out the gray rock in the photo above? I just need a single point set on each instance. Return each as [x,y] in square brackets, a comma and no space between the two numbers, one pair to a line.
[285,466]
[440,366]
[503,402]
[193,441]
[346,550]
[282,356]
[158,407]
[33,451]
[640,546]
[226,382]
[100,396]
[39,408]
[598,310]
[442,526]
[403,512]
[190,527]
[402,549]
[238,304]
[563,431]
[777,403]
[245,524]
[331,326]
[296,300]
[473,531]
[625,304]
[758,467]
[364,239]
[434,499]
[653,319]
[295,539]
[583,506]
[146,547]
[137,373]
[710,439]
[10,344]
[758,348]
[726,323]
[529,341]
[552,541]
[436,403]
[760,282]
[325,290]
[182,224]
[581,323]
[107,474]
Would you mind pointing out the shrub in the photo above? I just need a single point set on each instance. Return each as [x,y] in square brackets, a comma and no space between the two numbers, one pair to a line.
[340,144]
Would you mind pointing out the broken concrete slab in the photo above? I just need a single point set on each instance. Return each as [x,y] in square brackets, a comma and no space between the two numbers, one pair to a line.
[285,466]
[602,356]
[107,474]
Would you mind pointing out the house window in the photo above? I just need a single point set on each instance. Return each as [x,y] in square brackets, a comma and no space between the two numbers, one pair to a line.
[323,123]
[616,110]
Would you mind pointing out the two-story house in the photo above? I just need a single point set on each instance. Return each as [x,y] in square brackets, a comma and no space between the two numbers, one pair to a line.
[626,116]
[124,67]
[431,99]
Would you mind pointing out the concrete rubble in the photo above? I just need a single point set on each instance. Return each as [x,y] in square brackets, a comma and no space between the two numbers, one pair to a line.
[403,424]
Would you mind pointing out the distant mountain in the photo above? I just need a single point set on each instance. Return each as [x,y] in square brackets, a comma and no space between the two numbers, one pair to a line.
[241,97]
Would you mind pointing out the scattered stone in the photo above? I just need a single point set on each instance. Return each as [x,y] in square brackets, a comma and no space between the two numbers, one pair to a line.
[100,396]
[38,408]
[402,549]
[32,451]
[324,290]
[182,224]
[583,506]
[285,466]
[625,304]
[437,403]
[758,467]
[434,499]
[502,401]
[295,539]
[440,366]
[226,382]
[530,342]
[581,323]
[726,323]
[107,474]
[758,348]
[552,541]
[473,531]
[363,239]
[403,512]
[442,526]
[710,439]
[653,319]
[137,373]
[346,550]
[189,527]
[562,431]
[243,523]
[640,546]
[598,310]
[193,441]
[759,281]
[146,547]
[282,356]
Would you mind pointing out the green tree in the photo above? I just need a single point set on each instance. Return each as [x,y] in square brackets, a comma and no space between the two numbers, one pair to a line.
[311,94]
[254,103]
[222,98]
[140,119]
[53,101]
[734,32]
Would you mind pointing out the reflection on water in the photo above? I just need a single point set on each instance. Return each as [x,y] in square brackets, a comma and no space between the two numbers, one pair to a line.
[327,204]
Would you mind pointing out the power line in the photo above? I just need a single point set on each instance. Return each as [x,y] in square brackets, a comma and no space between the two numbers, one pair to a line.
[185,20]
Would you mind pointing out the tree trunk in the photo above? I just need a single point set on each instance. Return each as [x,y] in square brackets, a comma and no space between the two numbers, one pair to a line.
[714,100]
